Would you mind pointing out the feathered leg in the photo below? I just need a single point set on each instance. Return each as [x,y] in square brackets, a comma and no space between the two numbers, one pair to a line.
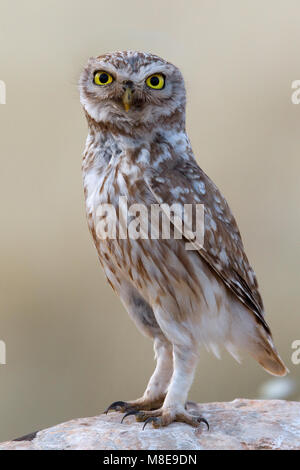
[173,409]
[155,392]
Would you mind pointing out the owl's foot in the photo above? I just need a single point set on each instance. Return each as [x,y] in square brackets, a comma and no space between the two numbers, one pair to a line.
[140,404]
[163,417]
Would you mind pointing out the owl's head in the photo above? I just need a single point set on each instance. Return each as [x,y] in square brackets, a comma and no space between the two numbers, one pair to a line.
[131,90]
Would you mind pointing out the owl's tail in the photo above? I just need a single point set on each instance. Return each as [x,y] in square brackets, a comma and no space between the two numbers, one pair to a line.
[263,350]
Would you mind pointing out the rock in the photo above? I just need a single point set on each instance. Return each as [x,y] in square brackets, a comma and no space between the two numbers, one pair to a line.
[240,424]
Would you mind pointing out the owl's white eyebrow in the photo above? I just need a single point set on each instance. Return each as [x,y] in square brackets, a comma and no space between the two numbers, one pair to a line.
[156,72]
[105,70]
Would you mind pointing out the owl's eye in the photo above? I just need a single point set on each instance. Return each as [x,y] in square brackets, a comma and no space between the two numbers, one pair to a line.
[156,81]
[102,78]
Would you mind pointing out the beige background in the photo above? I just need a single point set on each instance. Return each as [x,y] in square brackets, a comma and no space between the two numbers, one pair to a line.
[71,349]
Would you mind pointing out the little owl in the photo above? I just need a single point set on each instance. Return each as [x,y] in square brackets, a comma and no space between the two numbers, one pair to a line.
[137,148]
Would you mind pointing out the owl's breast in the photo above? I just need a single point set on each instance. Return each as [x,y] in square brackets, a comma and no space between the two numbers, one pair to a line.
[111,190]
[118,206]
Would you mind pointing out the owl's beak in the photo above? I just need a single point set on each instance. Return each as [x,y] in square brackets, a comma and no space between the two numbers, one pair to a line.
[127,98]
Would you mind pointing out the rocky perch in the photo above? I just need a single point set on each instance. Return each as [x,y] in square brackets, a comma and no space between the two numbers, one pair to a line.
[237,425]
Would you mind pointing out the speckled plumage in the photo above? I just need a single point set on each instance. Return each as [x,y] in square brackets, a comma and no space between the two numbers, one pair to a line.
[180,298]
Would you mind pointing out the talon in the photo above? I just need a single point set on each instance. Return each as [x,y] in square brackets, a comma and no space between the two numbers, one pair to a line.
[116,405]
[151,419]
[131,412]
[203,420]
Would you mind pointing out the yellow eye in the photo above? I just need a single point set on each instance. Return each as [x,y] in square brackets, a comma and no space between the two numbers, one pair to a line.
[102,78]
[156,81]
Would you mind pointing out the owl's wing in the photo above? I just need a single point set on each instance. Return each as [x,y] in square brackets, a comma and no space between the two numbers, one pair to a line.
[185,183]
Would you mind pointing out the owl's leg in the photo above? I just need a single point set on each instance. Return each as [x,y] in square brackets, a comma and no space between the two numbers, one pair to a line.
[174,408]
[157,386]
[156,390]
[143,316]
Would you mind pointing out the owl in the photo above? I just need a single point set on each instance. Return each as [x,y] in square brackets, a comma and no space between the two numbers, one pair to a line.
[137,149]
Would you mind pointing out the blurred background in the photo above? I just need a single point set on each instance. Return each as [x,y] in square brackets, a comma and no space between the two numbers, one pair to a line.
[71,348]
